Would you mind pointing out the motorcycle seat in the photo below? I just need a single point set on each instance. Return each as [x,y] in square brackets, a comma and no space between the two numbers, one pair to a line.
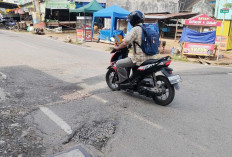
[150,61]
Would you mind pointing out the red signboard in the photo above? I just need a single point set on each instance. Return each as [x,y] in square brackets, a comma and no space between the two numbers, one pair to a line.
[198,49]
[202,20]
[80,34]
[88,35]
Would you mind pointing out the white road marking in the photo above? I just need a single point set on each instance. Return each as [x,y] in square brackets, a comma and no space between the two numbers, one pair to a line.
[99,98]
[60,122]
[229,73]
[157,126]
[73,153]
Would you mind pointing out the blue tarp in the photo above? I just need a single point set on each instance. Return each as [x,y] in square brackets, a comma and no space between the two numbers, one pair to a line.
[105,34]
[191,36]
[114,12]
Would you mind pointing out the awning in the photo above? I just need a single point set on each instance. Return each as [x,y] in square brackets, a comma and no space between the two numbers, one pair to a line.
[169,16]
[92,7]
[114,12]
[8,5]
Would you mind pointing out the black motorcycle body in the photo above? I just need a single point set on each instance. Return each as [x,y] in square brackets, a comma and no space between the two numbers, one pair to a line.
[144,79]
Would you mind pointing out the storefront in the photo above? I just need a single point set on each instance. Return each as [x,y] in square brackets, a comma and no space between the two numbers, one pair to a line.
[199,36]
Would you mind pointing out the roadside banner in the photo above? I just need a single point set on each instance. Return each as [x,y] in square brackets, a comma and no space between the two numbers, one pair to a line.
[202,20]
[88,35]
[198,49]
[222,41]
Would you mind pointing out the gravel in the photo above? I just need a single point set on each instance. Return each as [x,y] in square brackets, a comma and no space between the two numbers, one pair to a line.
[96,134]
[22,90]
[16,138]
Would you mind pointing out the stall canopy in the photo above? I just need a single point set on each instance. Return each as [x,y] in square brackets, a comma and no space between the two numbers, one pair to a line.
[192,36]
[92,7]
[7,5]
[114,12]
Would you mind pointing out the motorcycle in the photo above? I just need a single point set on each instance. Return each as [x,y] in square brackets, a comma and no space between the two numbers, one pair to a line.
[144,79]
[11,25]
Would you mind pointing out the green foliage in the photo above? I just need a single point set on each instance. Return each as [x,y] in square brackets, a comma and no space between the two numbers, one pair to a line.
[228,5]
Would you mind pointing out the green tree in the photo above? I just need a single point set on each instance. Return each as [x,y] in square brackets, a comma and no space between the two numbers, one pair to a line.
[228,5]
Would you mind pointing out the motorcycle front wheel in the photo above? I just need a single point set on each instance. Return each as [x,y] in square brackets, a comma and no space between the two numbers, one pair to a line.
[168,92]
[111,78]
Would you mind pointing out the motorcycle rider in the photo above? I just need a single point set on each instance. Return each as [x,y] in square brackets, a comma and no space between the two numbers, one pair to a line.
[137,57]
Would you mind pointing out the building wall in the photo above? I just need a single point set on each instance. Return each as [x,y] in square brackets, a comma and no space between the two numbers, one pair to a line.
[146,6]
[203,7]
[22,2]
[12,1]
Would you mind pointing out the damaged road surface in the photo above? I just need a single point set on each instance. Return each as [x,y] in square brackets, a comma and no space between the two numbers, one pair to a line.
[54,102]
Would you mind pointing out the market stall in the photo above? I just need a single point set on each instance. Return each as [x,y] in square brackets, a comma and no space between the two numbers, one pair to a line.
[83,29]
[84,23]
[92,7]
[199,36]
[114,13]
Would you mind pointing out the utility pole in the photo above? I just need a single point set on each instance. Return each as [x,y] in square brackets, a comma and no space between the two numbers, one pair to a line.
[37,8]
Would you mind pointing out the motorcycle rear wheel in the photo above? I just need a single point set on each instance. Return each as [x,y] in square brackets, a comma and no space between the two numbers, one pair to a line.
[164,99]
[111,76]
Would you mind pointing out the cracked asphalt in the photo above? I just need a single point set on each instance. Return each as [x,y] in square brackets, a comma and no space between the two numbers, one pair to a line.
[53,97]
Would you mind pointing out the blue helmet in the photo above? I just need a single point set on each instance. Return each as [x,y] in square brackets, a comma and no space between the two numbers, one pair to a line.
[135,18]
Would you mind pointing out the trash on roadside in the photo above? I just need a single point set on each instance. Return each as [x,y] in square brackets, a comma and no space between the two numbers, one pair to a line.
[58,30]
[30,29]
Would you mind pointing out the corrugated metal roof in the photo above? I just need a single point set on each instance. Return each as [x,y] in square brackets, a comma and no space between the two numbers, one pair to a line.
[170,16]
[186,5]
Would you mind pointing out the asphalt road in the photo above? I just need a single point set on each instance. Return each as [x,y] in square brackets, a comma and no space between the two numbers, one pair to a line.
[67,102]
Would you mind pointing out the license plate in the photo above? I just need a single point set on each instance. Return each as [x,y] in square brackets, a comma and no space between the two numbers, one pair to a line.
[175,79]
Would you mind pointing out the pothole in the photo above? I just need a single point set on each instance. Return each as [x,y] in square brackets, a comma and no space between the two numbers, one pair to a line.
[96,134]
